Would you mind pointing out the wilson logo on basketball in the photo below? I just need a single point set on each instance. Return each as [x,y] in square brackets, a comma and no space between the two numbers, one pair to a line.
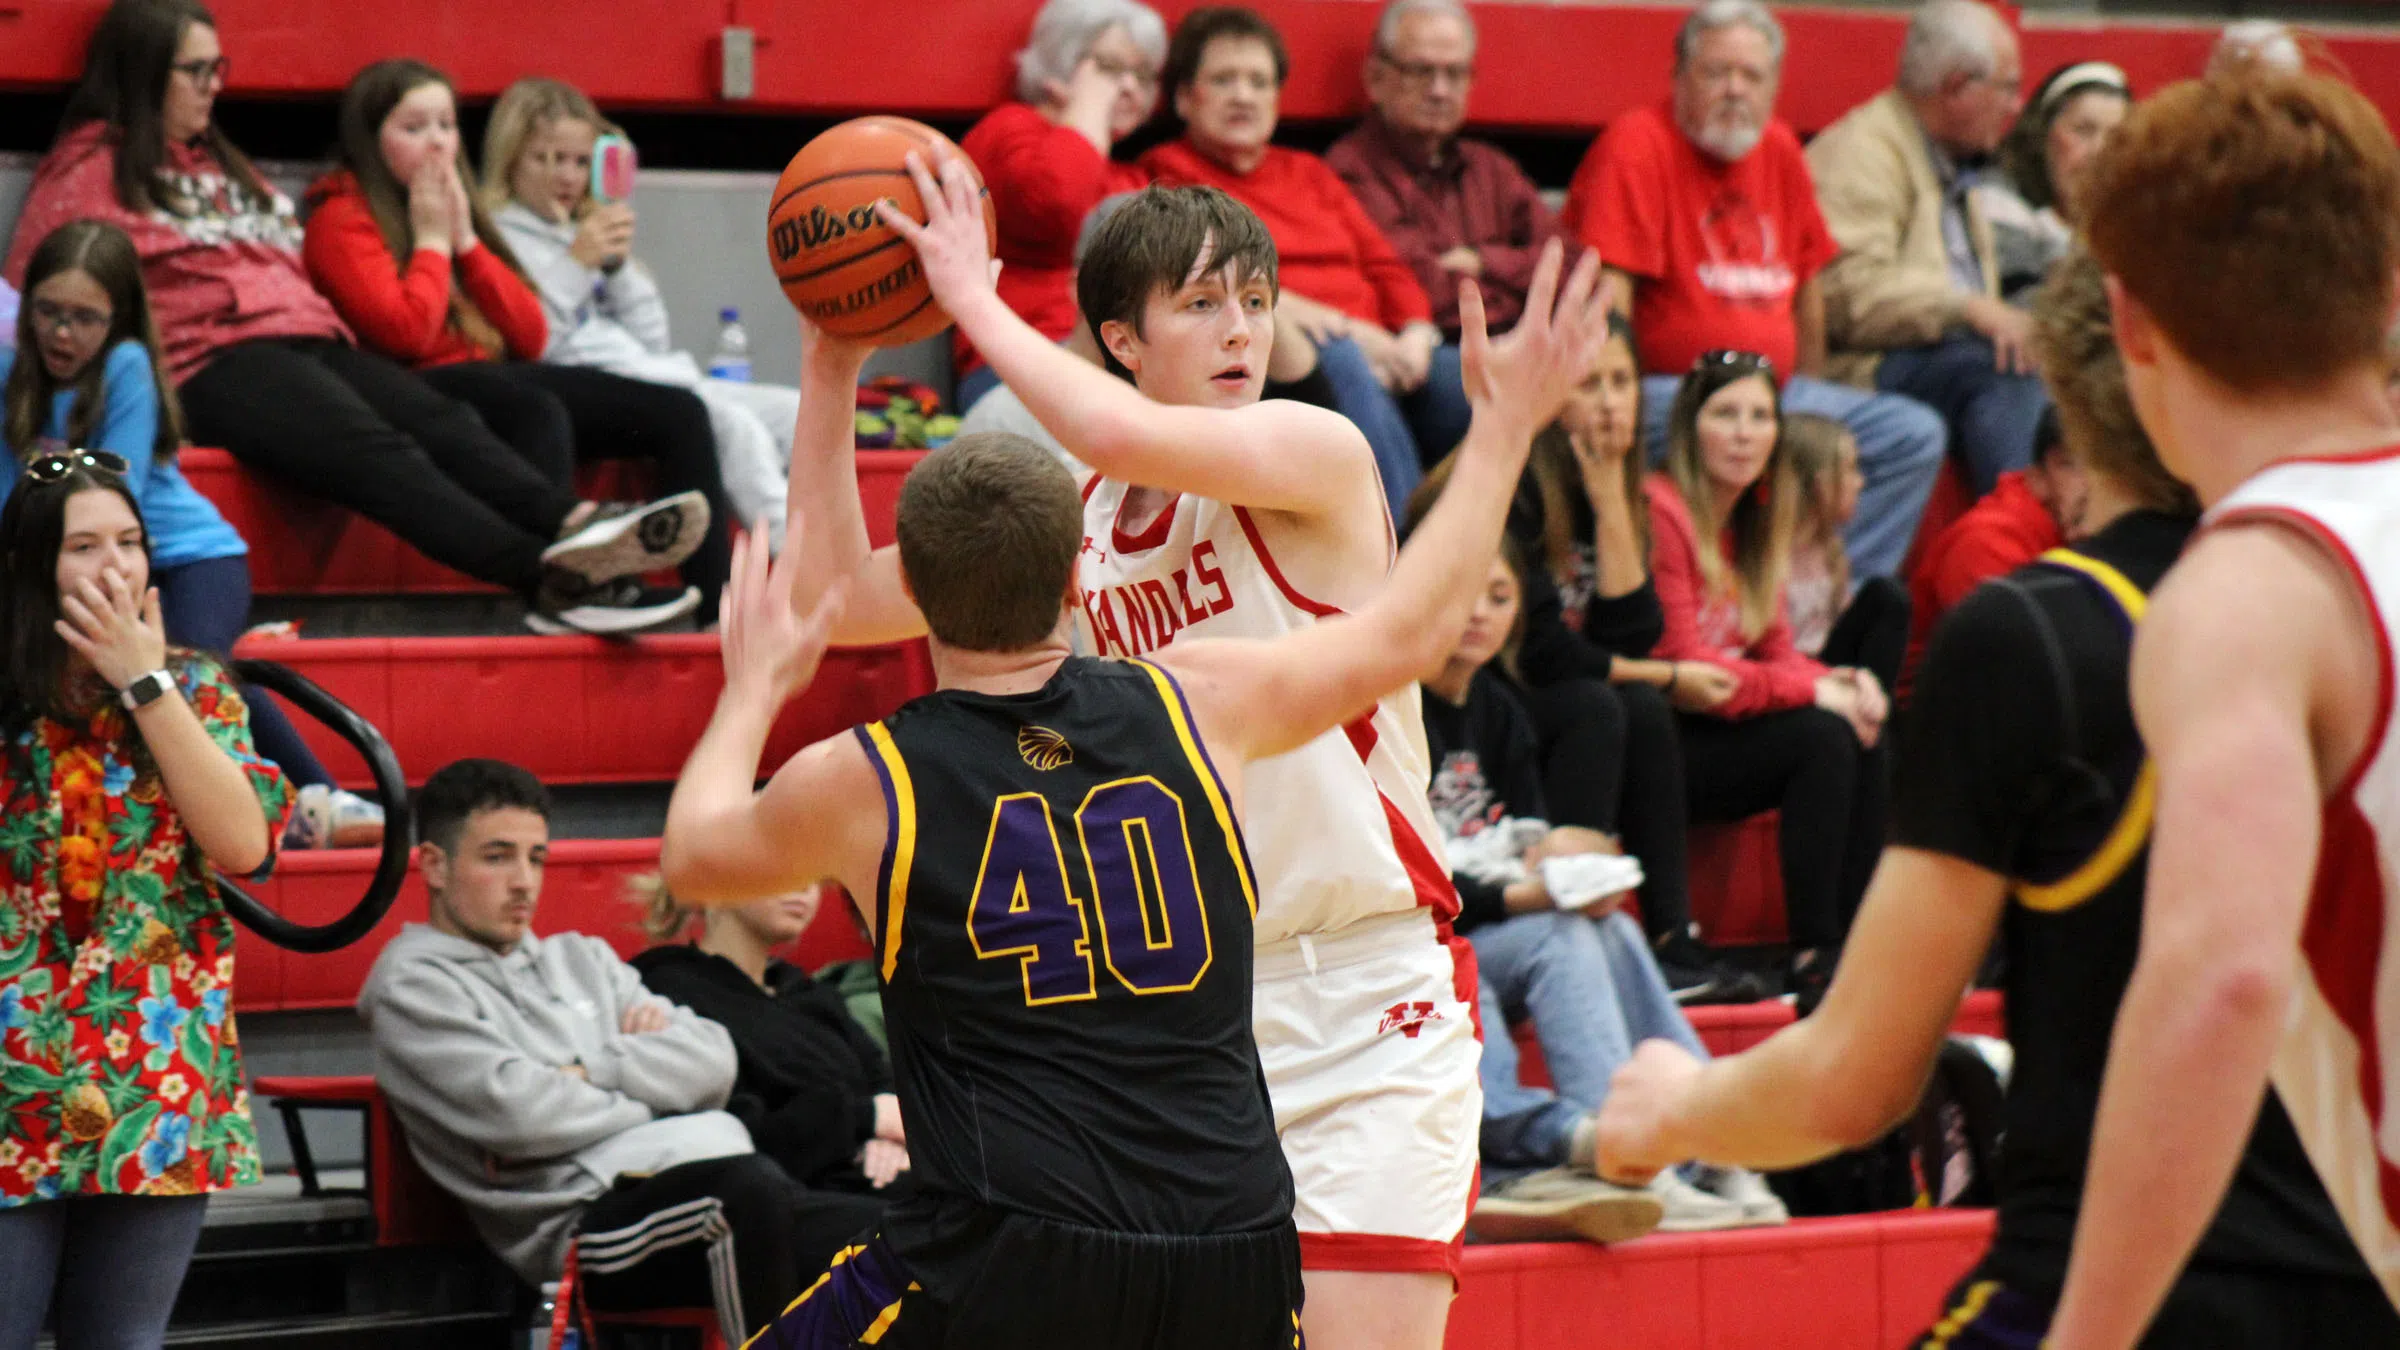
[1408,1018]
[1043,748]
[818,228]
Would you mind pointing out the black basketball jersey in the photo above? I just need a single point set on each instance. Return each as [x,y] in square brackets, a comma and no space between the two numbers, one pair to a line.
[1065,937]
[2020,755]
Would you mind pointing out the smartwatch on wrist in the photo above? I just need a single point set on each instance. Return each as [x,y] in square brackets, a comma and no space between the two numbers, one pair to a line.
[146,690]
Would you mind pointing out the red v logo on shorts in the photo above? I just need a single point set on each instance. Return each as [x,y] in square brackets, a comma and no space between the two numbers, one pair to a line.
[1408,1018]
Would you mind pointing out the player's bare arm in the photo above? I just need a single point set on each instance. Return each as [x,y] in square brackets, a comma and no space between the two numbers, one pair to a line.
[1273,456]
[1255,699]
[1845,1074]
[2251,680]
[819,818]
[824,489]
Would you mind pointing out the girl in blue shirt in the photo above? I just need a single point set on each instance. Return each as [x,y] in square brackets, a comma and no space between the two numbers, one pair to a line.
[85,374]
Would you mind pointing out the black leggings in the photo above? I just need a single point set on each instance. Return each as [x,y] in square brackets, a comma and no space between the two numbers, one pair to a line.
[1806,763]
[734,1233]
[1872,632]
[357,430]
[1611,761]
[556,415]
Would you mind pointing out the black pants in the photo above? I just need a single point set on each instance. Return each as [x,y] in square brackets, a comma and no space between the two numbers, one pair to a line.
[2208,1309]
[1808,764]
[1611,761]
[1042,1285]
[556,416]
[359,431]
[1872,633]
[734,1233]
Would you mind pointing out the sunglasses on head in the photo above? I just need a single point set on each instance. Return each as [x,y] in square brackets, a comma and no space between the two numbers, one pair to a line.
[48,469]
[1725,358]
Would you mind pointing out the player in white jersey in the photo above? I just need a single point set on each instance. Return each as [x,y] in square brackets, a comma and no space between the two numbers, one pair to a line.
[2250,225]
[1364,1006]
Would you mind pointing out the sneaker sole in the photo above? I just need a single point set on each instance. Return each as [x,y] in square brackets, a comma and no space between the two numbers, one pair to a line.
[1602,1219]
[608,621]
[659,536]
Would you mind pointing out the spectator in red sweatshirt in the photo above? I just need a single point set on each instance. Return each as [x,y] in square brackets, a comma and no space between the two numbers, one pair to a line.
[1336,273]
[1764,726]
[1087,76]
[408,256]
[267,370]
[2026,514]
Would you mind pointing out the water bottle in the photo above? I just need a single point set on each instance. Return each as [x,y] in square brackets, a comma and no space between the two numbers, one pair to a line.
[732,358]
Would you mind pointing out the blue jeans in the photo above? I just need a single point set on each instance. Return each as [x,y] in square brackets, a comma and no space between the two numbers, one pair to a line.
[108,1265]
[206,605]
[1437,411]
[1359,396]
[1992,414]
[1900,448]
[1594,993]
[974,385]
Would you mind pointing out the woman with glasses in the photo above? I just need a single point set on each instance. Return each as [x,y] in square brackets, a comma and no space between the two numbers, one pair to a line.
[266,369]
[86,373]
[126,775]
[1764,726]
[1088,75]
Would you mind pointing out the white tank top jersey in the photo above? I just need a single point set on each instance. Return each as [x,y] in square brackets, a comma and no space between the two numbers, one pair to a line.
[1339,829]
[2338,1066]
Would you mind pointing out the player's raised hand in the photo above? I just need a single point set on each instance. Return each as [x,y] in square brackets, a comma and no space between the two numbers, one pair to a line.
[951,245]
[1635,1142]
[771,650]
[1529,372]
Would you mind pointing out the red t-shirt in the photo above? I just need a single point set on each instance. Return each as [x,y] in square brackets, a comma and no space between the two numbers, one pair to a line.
[1999,534]
[1044,178]
[1720,249]
[1326,246]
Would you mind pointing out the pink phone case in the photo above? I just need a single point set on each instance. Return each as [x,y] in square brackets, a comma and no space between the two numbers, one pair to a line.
[613,163]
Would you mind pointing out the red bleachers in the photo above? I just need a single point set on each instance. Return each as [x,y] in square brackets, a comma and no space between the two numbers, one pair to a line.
[1550,66]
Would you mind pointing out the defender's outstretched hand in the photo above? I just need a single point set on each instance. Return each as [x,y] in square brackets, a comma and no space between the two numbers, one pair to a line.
[771,650]
[951,245]
[1528,373]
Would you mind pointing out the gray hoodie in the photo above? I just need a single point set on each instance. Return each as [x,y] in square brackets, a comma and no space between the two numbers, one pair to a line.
[470,1046]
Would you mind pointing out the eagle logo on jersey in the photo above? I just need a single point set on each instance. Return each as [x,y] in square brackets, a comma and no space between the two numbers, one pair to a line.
[1043,748]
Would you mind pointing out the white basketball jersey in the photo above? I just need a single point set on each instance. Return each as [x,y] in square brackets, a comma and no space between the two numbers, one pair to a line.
[2338,1065]
[1338,829]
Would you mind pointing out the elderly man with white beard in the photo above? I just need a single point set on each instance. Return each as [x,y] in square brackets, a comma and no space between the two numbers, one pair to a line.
[1704,211]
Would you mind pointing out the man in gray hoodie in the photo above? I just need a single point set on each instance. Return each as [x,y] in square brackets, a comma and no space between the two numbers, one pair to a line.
[562,1102]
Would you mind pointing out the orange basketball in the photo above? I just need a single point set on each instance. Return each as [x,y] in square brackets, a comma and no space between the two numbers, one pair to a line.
[839,264]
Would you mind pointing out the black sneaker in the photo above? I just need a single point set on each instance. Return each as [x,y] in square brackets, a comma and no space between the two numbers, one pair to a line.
[1695,976]
[622,540]
[611,609]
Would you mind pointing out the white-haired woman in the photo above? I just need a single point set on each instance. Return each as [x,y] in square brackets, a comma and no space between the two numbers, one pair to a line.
[1087,76]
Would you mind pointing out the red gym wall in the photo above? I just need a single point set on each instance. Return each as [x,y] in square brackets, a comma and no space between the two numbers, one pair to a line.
[1546,65]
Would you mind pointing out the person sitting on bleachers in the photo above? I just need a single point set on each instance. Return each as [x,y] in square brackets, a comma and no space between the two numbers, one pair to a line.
[2029,512]
[415,265]
[127,780]
[2036,205]
[1912,304]
[1087,77]
[815,1089]
[1451,206]
[1836,617]
[84,372]
[1703,209]
[1540,903]
[1763,726]
[571,1110]
[1335,271]
[604,307]
[267,370]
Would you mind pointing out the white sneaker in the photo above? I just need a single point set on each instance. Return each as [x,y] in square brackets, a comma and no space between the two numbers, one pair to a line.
[1562,1203]
[616,608]
[1688,1209]
[621,541]
[1761,1207]
[328,817]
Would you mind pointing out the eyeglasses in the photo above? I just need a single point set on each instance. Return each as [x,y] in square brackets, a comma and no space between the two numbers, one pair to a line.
[49,315]
[47,469]
[1425,73]
[1118,70]
[1725,358]
[205,72]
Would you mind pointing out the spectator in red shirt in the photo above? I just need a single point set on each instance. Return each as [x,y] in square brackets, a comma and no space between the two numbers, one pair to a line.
[1335,272]
[1764,726]
[1704,211]
[1450,206]
[408,255]
[263,365]
[1087,76]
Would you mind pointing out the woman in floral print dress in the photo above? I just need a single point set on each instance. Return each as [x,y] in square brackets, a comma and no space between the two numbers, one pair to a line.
[126,774]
